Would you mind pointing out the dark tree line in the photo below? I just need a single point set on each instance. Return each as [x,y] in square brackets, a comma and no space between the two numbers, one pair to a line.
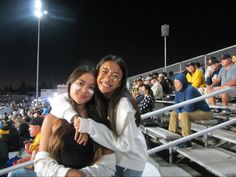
[24,88]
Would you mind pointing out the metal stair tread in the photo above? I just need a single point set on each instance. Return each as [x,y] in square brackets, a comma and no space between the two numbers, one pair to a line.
[226,135]
[162,133]
[217,160]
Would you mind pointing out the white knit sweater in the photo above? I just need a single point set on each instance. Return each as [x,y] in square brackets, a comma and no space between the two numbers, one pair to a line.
[129,146]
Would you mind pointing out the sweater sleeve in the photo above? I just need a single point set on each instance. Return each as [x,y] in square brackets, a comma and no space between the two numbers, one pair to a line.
[106,166]
[44,165]
[125,126]
[197,79]
[62,108]
[190,94]
[177,110]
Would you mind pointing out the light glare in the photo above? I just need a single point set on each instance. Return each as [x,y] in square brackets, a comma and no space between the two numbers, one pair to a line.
[38,5]
[38,13]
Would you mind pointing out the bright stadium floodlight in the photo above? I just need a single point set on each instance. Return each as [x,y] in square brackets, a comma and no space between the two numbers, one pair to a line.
[38,8]
[38,13]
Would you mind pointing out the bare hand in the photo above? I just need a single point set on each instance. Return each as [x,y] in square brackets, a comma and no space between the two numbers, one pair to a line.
[77,126]
[210,87]
[81,138]
[77,122]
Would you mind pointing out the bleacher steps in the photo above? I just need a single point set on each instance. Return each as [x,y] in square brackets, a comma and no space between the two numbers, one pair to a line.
[169,170]
[161,133]
[226,135]
[230,107]
[216,160]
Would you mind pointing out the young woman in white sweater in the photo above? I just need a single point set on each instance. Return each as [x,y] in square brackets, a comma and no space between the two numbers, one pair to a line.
[59,154]
[125,138]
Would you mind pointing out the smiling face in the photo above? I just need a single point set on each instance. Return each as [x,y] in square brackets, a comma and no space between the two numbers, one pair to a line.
[191,68]
[82,90]
[109,78]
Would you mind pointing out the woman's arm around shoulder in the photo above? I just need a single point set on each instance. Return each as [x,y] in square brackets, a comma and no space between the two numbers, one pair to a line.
[62,108]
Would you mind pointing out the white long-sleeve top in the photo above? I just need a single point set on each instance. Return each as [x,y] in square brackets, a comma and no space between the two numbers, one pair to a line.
[129,146]
[61,107]
[44,165]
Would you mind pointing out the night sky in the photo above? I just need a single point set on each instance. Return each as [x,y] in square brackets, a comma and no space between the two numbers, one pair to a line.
[76,30]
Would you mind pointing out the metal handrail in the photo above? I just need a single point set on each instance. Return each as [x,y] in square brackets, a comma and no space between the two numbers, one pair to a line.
[204,56]
[189,137]
[15,167]
[144,116]
[197,134]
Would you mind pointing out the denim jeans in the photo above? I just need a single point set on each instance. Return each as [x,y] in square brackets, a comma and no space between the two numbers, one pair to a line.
[22,172]
[125,172]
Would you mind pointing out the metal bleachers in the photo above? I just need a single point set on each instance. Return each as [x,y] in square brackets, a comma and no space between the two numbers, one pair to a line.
[219,161]
[221,148]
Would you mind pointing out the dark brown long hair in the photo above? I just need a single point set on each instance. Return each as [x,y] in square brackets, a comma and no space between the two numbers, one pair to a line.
[95,110]
[120,92]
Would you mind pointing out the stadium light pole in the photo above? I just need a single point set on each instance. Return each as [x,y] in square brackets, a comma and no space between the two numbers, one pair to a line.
[38,13]
[165,33]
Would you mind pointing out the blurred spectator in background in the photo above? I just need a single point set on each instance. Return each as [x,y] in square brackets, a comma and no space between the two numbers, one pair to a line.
[199,66]
[165,86]
[171,76]
[209,69]
[234,58]
[195,111]
[32,148]
[10,135]
[212,74]
[147,103]
[227,78]
[195,76]
[3,148]
[137,95]
[148,80]
[156,88]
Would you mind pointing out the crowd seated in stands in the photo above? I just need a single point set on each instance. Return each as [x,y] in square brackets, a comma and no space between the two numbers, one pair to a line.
[10,136]
[31,148]
[3,147]
[226,78]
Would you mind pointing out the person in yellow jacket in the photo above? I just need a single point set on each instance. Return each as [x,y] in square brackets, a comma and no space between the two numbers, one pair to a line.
[32,148]
[195,76]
